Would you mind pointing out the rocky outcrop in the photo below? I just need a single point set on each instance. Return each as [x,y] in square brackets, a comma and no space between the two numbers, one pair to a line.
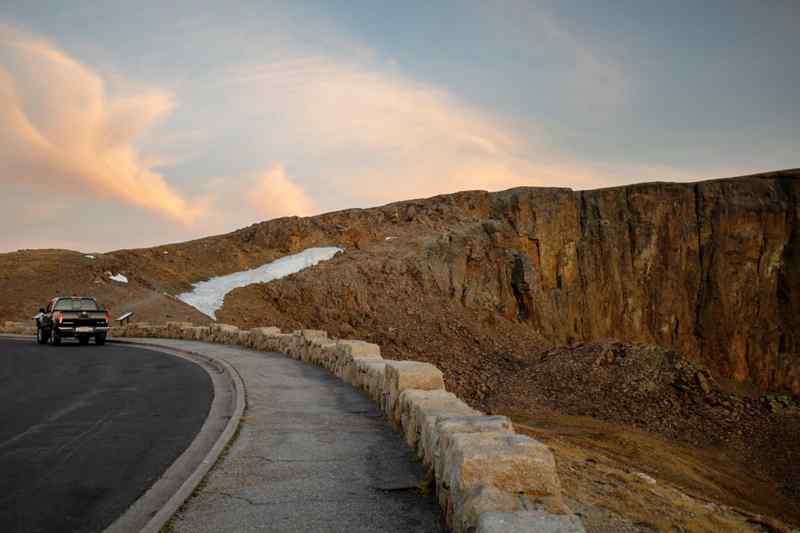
[709,268]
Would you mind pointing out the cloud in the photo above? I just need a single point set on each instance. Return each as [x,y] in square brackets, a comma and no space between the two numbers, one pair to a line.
[275,195]
[374,135]
[62,131]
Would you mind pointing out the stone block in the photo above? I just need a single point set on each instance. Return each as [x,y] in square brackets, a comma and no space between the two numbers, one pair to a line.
[200,333]
[224,333]
[321,352]
[402,375]
[185,333]
[15,327]
[479,500]
[417,407]
[370,374]
[174,328]
[346,351]
[446,427]
[261,338]
[539,521]
[511,463]
[311,333]
[152,331]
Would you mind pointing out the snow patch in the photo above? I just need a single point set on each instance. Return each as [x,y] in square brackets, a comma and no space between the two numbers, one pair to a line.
[644,477]
[208,296]
[120,278]
[389,238]
[89,256]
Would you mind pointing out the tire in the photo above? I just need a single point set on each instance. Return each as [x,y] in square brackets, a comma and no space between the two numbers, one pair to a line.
[84,340]
[55,338]
[100,340]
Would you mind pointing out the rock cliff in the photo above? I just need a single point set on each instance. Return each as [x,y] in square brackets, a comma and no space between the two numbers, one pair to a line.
[709,268]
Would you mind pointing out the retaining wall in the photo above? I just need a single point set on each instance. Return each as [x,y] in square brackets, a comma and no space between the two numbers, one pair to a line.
[488,479]
[19,328]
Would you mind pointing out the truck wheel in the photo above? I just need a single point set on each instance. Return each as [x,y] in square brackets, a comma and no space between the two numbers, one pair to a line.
[100,340]
[83,339]
[41,338]
[55,337]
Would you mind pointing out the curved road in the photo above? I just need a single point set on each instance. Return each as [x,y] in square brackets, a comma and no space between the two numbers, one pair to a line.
[85,430]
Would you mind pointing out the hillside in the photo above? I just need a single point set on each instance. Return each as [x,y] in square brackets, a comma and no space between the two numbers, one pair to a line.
[708,268]
[515,294]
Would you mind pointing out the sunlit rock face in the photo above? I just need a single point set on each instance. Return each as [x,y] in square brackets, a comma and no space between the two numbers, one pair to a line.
[709,268]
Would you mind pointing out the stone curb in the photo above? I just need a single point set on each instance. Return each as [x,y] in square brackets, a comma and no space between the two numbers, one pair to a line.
[487,477]
[184,492]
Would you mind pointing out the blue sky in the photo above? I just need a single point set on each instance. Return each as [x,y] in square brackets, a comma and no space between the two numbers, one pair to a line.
[201,117]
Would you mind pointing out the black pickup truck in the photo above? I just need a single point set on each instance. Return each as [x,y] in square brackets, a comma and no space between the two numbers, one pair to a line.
[73,317]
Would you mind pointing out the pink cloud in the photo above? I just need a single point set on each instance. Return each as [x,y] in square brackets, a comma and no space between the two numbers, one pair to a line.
[275,195]
[63,131]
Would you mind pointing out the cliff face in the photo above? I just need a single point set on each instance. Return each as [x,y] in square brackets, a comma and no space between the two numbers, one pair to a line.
[708,268]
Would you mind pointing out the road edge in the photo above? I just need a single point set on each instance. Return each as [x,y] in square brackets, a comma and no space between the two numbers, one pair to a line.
[142,508]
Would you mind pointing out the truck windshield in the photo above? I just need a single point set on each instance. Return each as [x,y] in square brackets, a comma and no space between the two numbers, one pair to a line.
[76,304]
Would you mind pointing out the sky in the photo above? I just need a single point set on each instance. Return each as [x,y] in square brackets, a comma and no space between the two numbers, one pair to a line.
[130,124]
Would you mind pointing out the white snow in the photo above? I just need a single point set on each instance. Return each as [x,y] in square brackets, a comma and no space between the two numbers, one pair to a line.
[389,238]
[208,296]
[647,479]
[89,256]
[120,278]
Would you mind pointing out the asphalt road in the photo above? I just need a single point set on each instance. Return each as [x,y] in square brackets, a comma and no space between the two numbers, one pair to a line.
[85,430]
